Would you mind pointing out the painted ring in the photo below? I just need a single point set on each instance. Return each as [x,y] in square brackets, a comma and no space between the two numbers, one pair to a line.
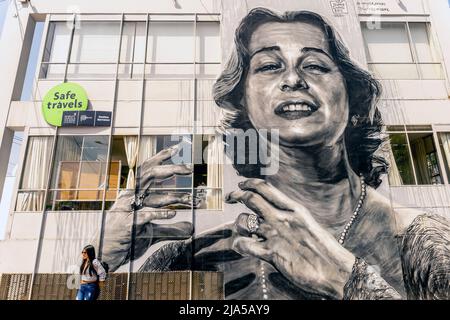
[252,223]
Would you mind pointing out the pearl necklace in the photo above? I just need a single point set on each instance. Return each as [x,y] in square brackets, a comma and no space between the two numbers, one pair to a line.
[355,212]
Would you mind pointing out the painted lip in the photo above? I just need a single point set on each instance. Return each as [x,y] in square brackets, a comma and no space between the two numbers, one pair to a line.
[296,109]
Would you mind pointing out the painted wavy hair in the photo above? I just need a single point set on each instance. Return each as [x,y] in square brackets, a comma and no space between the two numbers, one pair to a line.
[362,140]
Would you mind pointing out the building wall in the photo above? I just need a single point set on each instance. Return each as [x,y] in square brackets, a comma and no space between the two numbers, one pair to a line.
[50,242]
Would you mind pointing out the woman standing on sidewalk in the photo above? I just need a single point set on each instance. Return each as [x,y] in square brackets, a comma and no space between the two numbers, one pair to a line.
[92,274]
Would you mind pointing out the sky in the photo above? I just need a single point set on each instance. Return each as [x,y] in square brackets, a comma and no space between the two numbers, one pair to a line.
[9,181]
[4,203]
[26,95]
[3,7]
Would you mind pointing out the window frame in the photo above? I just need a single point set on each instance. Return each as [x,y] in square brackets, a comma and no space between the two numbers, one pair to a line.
[55,171]
[194,189]
[195,18]
[414,55]
[409,129]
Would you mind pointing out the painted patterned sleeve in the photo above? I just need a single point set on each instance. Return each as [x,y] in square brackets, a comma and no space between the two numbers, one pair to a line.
[426,258]
[366,284]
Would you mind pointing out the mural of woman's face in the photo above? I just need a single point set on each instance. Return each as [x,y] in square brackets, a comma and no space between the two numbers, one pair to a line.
[294,85]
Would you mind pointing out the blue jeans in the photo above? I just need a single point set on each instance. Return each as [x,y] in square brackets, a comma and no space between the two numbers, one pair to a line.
[88,291]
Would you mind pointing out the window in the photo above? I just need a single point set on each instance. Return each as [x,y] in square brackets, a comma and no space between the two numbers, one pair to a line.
[80,170]
[132,50]
[444,143]
[402,50]
[413,157]
[56,50]
[208,169]
[208,51]
[79,173]
[167,49]
[33,184]
[95,49]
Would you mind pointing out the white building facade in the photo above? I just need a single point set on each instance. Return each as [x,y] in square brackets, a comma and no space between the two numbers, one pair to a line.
[151,66]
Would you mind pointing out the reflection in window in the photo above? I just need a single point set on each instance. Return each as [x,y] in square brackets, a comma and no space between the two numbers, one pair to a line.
[79,173]
[401,172]
[424,151]
[444,142]
[207,152]
[423,168]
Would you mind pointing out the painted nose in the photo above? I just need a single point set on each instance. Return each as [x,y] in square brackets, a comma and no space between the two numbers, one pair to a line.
[293,81]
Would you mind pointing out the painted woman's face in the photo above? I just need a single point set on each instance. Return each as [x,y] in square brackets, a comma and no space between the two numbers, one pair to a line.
[294,85]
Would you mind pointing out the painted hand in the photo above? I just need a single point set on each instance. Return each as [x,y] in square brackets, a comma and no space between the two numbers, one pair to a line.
[154,206]
[291,240]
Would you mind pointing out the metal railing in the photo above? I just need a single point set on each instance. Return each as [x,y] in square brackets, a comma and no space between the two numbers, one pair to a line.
[143,286]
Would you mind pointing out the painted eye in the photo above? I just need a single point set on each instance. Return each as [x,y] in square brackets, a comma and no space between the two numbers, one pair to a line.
[268,67]
[316,68]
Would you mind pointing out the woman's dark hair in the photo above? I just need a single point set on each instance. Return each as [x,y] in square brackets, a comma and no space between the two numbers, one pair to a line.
[90,251]
[362,140]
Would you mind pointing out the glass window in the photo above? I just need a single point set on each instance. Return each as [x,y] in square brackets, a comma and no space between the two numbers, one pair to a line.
[424,47]
[444,142]
[79,173]
[208,170]
[58,42]
[399,50]
[388,44]
[170,42]
[165,142]
[35,174]
[133,42]
[414,159]
[96,46]
[56,50]
[207,154]
[425,158]
[208,42]
[96,42]
[401,171]
[132,51]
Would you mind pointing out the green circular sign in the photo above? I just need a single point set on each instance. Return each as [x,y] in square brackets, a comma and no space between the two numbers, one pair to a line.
[63,97]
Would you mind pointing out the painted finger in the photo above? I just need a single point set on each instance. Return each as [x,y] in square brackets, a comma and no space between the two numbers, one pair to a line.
[253,201]
[163,172]
[163,155]
[145,215]
[162,199]
[251,246]
[268,192]
[169,170]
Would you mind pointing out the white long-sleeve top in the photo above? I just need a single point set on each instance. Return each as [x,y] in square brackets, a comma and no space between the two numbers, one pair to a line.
[101,273]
